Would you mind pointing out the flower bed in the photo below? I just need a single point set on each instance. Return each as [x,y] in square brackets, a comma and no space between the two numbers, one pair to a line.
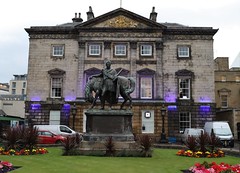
[5,167]
[189,153]
[214,168]
[23,151]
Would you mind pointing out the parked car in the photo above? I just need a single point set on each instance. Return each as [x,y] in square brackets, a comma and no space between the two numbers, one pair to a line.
[222,130]
[57,129]
[190,132]
[48,137]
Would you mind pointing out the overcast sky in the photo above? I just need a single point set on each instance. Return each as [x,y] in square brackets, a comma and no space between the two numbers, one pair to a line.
[15,15]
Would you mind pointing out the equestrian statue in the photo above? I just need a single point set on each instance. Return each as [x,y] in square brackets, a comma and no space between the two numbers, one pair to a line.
[107,86]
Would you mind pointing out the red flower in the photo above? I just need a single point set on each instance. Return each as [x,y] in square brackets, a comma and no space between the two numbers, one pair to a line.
[8,164]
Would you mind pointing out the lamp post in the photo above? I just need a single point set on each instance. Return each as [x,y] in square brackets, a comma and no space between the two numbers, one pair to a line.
[163,135]
[74,112]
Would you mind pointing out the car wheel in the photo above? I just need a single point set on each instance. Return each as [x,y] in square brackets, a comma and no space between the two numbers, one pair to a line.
[58,142]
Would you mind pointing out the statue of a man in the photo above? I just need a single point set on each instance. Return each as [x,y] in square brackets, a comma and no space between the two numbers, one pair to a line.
[109,87]
[109,76]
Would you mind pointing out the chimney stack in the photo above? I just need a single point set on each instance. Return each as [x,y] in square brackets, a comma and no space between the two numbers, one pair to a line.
[90,14]
[77,19]
[153,15]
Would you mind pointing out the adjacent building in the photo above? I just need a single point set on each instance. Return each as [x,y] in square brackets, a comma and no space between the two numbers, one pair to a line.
[227,94]
[172,65]
[12,101]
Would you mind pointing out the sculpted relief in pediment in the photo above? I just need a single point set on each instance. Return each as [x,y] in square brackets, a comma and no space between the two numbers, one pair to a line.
[120,22]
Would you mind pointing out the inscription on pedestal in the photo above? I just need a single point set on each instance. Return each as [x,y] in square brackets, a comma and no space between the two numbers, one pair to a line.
[105,123]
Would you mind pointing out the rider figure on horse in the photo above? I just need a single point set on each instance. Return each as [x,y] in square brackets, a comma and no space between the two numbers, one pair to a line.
[109,83]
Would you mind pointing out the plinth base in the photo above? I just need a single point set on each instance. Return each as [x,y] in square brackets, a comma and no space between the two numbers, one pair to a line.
[109,121]
[103,137]
[97,148]
[103,124]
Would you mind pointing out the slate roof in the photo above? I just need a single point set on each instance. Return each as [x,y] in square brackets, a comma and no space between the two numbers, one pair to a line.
[169,28]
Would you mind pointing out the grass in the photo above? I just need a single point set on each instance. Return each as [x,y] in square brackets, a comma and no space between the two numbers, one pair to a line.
[163,161]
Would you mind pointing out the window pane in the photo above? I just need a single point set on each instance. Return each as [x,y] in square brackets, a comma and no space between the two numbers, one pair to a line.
[94,49]
[56,87]
[120,50]
[224,101]
[146,50]
[223,78]
[14,84]
[237,78]
[13,91]
[183,51]
[184,121]
[184,88]
[58,50]
[146,87]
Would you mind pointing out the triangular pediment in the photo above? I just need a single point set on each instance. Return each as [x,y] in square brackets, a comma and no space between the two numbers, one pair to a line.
[120,18]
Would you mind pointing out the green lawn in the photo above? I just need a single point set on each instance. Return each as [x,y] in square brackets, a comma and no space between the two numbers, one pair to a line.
[163,161]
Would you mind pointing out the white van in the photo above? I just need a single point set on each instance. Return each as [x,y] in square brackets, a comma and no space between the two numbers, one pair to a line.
[57,129]
[222,130]
[191,132]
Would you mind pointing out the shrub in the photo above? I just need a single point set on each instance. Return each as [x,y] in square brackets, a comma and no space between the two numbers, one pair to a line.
[207,145]
[214,142]
[78,139]
[146,145]
[191,143]
[203,141]
[69,145]
[110,146]
[30,138]
[11,137]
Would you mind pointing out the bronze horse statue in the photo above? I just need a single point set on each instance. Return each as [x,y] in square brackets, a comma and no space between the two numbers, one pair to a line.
[124,86]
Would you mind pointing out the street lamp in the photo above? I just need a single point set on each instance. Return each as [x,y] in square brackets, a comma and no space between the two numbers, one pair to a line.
[74,112]
[163,135]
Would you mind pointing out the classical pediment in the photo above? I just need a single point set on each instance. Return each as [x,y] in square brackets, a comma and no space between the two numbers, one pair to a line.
[56,71]
[224,90]
[146,71]
[184,72]
[92,71]
[120,18]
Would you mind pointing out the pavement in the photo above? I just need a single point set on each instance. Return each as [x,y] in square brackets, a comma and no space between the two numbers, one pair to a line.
[229,151]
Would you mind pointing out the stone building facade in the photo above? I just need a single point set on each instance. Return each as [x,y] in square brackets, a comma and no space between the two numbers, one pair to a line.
[172,65]
[227,93]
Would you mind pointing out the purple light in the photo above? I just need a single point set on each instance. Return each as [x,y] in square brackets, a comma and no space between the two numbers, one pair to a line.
[205,99]
[35,106]
[66,106]
[205,108]
[70,98]
[170,98]
[172,108]
[36,98]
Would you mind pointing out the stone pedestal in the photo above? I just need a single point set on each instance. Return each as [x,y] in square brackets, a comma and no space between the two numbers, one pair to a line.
[102,124]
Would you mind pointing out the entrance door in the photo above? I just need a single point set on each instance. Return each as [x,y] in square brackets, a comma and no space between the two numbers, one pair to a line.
[147,121]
